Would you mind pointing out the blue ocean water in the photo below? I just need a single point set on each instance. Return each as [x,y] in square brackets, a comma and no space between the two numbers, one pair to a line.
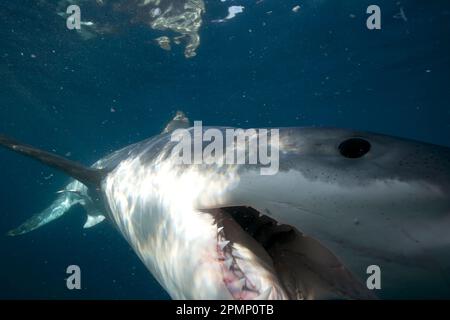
[268,66]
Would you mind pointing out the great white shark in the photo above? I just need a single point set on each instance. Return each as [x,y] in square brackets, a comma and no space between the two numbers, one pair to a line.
[342,200]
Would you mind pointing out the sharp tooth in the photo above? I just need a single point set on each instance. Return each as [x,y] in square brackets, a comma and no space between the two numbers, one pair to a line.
[219,229]
[229,263]
[264,295]
[237,254]
[223,244]
[240,283]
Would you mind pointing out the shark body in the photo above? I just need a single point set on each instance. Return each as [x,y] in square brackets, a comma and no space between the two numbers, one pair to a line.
[342,201]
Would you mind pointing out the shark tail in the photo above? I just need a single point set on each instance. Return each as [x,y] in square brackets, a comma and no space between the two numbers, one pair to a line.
[89,177]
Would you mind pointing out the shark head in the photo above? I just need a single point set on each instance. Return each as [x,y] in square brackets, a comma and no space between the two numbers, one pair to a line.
[342,201]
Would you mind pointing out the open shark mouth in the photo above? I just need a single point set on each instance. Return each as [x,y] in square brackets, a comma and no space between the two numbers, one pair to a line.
[262,259]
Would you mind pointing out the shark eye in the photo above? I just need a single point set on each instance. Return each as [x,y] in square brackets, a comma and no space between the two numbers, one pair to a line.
[354,148]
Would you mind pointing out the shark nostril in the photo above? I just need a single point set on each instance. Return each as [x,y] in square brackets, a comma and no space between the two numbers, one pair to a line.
[354,148]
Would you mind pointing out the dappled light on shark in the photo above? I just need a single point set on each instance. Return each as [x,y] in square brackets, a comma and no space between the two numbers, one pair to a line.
[155,207]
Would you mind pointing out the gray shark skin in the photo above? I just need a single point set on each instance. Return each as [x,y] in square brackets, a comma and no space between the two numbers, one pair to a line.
[308,232]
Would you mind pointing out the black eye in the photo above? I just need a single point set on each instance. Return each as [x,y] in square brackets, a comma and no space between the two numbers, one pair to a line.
[354,148]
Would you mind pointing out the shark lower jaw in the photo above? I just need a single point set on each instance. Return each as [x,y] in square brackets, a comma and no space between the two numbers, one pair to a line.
[247,245]
[261,259]
[247,270]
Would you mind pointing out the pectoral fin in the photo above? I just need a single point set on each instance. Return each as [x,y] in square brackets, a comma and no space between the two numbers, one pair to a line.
[60,206]
[90,177]
[93,220]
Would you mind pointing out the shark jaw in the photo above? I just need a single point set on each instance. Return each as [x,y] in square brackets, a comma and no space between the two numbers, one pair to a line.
[261,259]
[247,269]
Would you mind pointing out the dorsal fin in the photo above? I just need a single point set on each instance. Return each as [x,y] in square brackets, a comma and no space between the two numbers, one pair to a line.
[88,176]
[180,121]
